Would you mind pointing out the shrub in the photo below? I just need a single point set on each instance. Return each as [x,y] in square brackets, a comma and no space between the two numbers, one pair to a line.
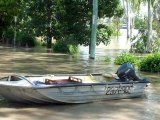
[63,47]
[150,63]
[73,49]
[24,39]
[9,34]
[125,57]
[60,47]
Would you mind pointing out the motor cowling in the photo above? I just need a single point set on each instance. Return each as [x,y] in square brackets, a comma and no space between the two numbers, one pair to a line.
[126,72]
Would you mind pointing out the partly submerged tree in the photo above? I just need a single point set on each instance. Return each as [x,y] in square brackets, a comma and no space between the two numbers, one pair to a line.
[65,20]
[131,7]
[8,10]
[38,17]
[136,5]
[74,19]
[150,19]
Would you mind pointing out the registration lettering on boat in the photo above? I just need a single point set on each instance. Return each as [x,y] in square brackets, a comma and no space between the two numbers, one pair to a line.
[114,90]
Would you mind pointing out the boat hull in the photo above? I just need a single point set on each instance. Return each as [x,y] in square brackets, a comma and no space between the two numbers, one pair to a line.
[69,93]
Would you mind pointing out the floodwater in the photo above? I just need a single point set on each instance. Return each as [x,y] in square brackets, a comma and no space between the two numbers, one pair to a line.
[22,62]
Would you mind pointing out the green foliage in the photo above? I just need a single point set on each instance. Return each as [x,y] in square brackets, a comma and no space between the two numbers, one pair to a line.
[125,57]
[140,45]
[72,17]
[65,20]
[115,26]
[74,20]
[110,8]
[151,63]
[139,42]
[104,33]
[39,18]
[60,47]
[140,23]
[63,47]
[24,39]
[40,49]
[156,44]
[105,59]
[73,49]
[8,9]
[9,34]
[4,103]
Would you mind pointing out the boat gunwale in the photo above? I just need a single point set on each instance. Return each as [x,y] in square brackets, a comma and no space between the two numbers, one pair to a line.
[88,84]
[76,85]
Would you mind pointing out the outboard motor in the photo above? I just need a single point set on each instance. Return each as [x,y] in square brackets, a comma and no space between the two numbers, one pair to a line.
[126,72]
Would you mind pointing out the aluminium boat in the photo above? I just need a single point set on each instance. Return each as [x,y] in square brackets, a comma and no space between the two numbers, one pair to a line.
[75,88]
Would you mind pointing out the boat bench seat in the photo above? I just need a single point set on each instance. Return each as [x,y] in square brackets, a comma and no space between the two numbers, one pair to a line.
[70,80]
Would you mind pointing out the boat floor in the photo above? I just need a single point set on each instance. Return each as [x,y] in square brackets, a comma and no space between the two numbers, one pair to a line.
[70,79]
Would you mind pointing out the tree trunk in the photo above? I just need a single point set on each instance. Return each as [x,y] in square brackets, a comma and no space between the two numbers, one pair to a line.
[117,27]
[132,26]
[128,8]
[149,34]
[156,16]
[49,39]
[128,20]
[49,34]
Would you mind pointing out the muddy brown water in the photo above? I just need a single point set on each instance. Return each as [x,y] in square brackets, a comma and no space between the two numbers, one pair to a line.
[28,62]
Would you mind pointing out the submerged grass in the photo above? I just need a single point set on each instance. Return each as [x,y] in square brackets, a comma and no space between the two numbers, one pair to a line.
[4,103]
[105,59]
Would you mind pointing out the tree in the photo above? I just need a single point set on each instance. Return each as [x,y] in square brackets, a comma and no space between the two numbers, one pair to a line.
[136,4]
[8,9]
[39,19]
[150,19]
[74,18]
[131,7]
[65,20]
